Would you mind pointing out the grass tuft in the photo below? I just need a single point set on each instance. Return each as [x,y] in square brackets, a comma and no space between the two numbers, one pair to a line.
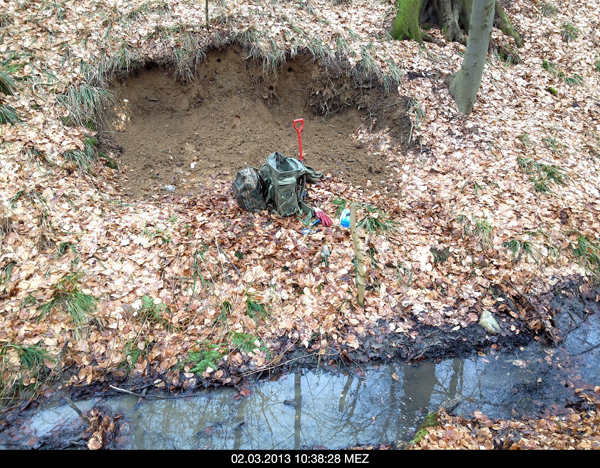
[21,366]
[520,247]
[86,104]
[82,160]
[78,305]
[256,310]
[587,253]
[483,231]
[8,115]
[246,343]
[376,221]
[525,140]
[154,314]
[8,87]
[569,32]
[552,68]
[543,174]
[7,83]
[548,9]
[575,80]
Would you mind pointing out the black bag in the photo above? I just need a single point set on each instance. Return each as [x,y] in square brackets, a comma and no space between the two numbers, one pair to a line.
[250,190]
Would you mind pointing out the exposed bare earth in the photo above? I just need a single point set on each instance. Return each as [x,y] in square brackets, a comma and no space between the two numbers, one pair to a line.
[232,115]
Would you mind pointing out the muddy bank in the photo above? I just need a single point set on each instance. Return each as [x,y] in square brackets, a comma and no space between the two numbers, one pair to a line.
[434,343]
[567,305]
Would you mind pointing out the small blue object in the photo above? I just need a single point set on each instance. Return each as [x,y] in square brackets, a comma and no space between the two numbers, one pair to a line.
[309,229]
[345,218]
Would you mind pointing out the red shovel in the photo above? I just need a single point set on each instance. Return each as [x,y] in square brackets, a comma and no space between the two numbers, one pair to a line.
[325,220]
[299,130]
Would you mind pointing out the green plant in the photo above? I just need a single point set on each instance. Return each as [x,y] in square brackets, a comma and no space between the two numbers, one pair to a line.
[340,203]
[575,80]
[476,186]
[465,224]
[125,60]
[587,253]
[508,55]
[37,156]
[548,9]
[344,49]
[26,364]
[159,7]
[440,255]
[543,174]
[245,342]
[376,221]
[404,275]
[108,161]
[569,32]
[525,140]
[8,114]
[86,104]
[206,356]
[186,57]
[254,309]
[5,274]
[520,247]
[554,173]
[483,231]
[134,349]
[6,19]
[224,309]
[7,83]
[430,420]
[151,234]
[82,159]
[597,66]
[67,296]
[368,62]
[155,314]
[419,112]
[552,68]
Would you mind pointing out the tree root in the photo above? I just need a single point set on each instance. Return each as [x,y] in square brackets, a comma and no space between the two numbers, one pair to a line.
[452,16]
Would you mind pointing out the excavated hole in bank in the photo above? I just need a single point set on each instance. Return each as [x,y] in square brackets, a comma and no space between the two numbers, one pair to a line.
[233,114]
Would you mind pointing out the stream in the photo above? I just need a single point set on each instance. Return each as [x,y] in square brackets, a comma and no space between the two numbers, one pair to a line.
[311,409]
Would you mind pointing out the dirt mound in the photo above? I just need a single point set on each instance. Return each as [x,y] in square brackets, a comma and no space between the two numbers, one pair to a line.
[234,114]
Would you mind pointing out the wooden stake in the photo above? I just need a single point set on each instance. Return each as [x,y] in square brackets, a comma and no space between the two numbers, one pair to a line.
[360,263]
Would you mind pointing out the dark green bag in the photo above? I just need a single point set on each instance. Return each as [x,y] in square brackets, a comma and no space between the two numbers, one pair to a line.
[286,180]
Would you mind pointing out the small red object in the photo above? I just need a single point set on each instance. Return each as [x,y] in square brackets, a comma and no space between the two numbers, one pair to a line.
[299,130]
[325,220]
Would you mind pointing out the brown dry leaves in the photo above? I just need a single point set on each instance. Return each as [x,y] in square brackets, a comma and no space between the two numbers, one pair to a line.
[579,430]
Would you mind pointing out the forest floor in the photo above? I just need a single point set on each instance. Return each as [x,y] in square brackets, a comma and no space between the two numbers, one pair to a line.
[125,256]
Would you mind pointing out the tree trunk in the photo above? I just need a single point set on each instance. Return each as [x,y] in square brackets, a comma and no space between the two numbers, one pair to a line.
[406,24]
[452,16]
[465,84]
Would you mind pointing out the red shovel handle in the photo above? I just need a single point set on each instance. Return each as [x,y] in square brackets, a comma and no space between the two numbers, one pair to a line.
[299,130]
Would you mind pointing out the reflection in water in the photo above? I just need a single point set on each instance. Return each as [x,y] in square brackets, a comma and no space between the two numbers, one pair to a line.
[308,409]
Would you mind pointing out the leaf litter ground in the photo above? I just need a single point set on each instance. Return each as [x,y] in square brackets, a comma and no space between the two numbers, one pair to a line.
[173,273]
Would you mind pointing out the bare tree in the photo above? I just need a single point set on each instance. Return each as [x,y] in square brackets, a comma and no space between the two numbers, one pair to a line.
[465,83]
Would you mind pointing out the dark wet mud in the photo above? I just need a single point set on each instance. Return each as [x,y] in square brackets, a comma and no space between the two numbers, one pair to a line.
[357,401]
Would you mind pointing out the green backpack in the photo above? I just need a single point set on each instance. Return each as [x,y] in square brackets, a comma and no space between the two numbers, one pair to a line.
[286,180]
